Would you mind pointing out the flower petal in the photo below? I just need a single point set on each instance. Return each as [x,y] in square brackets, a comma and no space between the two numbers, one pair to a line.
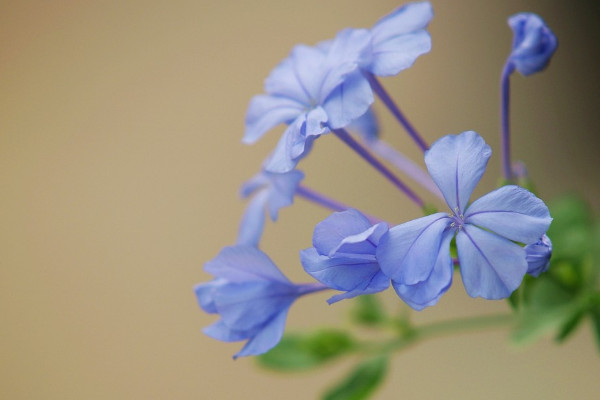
[244,263]
[266,112]
[253,220]
[222,332]
[330,232]
[205,293]
[406,19]
[341,272]
[366,125]
[247,305]
[299,76]
[512,212]
[350,49]
[456,164]
[266,338]
[282,188]
[408,252]
[378,283]
[348,101]
[398,53]
[429,291]
[491,266]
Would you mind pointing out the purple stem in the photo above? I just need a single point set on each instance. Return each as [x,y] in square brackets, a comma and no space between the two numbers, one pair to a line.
[327,202]
[505,117]
[364,153]
[404,164]
[389,103]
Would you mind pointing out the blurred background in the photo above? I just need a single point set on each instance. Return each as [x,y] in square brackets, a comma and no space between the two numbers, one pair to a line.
[121,160]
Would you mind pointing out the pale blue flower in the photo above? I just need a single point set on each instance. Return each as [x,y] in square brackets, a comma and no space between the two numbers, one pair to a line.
[416,256]
[343,256]
[538,256]
[533,43]
[311,95]
[251,296]
[270,192]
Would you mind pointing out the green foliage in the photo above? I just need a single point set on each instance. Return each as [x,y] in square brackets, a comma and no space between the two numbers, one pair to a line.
[560,299]
[298,352]
[367,310]
[361,382]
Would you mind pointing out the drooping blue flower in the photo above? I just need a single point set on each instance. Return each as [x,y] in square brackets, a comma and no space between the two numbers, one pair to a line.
[343,256]
[251,296]
[416,256]
[533,43]
[538,256]
[310,94]
[270,192]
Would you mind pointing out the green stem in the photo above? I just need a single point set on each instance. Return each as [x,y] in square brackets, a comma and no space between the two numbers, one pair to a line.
[442,328]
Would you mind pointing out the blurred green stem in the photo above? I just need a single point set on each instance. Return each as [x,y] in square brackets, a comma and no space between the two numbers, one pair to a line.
[414,335]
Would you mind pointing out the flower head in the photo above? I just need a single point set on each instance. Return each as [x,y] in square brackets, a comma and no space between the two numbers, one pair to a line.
[343,256]
[533,43]
[251,296]
[416,256]
[322,88]
[310,94]
[270,192]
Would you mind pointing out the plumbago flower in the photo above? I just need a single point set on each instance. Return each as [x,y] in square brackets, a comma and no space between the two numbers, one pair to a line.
[416,255]
[270,192]
[251,296]
[533,43]
[323,88]
[343,256]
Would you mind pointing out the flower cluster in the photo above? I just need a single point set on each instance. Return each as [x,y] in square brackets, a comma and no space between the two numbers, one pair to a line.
[326,88]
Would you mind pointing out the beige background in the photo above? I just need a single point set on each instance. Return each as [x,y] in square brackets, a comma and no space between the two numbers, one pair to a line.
[120,161]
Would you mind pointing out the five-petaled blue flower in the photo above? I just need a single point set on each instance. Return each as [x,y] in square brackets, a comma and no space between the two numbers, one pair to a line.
[343,256]
[323,88]
[416,255]
[251,296]
[533,43]
[270,192]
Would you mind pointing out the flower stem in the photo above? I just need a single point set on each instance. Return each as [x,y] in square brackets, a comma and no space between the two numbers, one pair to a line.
[404,164]
[437,329]
[389,103]
[367,156]
[327,202]
[505,118]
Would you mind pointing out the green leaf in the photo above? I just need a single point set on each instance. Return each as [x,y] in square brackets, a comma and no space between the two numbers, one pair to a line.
[367,310]
[548,307]
[301,352]
[361,382]
[569,325]
[570,230]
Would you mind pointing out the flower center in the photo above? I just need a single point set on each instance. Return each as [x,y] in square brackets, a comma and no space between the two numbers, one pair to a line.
[458,219]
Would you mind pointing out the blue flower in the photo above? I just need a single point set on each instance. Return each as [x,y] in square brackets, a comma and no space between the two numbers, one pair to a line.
[251,296]
[270,192]
[313,95]
[416,256]
[343,256]
[538,256]
[533,43]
